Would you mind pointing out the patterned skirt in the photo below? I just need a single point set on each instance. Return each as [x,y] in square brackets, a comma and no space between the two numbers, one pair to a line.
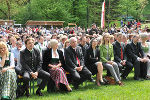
[8,84]
[58,76]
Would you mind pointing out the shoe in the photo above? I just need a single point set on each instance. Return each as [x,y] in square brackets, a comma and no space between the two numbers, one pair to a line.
[70,90]
[138,79]
[120,83]
[147,77]
[103,83]
[38,92]
[92,80]
[123,77]
[76,86]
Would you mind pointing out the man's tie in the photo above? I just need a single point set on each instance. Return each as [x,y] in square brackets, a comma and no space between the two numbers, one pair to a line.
[121,52]
[78,61]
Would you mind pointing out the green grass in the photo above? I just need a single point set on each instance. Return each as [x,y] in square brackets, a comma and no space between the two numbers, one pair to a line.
[132,90]
[143,25]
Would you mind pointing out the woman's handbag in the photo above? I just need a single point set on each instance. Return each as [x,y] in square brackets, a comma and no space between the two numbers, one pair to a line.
[110,80]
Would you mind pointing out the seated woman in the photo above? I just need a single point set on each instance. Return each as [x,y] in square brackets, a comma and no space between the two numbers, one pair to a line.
[146,49]
[92,61]
[66,44]
[107,58]
[53,61]
[8,84]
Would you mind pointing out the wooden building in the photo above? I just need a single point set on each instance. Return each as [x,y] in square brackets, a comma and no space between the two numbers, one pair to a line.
[44,23]
[7,22]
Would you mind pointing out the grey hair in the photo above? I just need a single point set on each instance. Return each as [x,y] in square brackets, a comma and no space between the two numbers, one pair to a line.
[72,38]
[143,35]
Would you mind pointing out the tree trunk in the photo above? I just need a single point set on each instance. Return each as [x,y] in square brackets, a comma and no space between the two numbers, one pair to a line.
[8,7]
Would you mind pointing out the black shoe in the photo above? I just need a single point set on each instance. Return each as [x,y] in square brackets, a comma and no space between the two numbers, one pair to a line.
[76,86]
[70,90]
[103,83]
[138,79]
[39,93]
[92,80]
[147,78]
[123,78]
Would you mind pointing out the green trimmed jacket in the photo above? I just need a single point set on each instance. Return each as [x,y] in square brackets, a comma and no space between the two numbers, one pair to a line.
[103,53]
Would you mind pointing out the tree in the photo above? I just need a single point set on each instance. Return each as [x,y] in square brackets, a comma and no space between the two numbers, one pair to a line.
[8,7]
[132,7]
[81,12]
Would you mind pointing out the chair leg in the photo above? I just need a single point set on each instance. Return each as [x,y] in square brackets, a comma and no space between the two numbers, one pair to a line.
[33,86]
[31,82]
[30,85]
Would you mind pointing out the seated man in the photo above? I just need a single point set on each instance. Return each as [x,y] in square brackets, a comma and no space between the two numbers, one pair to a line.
[16,52]
[75,63]
[120,56]
[135,55]
[83,45]
[31,63]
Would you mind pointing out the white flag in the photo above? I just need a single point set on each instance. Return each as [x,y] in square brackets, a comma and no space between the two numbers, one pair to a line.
[103,15]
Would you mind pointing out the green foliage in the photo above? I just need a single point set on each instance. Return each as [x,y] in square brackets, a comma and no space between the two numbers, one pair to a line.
[81,12]
[52,10]
[132,7]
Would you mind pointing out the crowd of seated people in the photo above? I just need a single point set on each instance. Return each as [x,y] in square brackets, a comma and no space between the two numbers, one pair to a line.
[48,57]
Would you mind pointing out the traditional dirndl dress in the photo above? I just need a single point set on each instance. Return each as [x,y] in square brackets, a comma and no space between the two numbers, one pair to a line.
[8,83]
[58,75]
[146,52]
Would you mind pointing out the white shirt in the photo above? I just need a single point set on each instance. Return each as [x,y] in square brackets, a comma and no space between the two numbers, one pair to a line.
[12,62]
[56,54]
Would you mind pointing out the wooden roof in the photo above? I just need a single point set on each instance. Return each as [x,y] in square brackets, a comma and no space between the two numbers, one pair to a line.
[54,23]
[6,22]
[71,24]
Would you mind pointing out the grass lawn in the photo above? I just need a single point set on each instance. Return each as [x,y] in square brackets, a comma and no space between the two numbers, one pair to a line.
[133,90]
[143,25]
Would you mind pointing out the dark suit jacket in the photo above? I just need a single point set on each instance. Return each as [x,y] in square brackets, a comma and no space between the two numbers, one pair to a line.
[117,51]
[26,60]
[84,48]
[70,58]
[134,51]
[47,56]
[91,32]
[89,56]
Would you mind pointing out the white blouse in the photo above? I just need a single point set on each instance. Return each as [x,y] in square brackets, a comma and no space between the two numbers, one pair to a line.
[57,55]
[12,62]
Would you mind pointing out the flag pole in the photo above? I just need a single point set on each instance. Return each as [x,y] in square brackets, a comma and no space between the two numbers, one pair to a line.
[108,14]
[103,16]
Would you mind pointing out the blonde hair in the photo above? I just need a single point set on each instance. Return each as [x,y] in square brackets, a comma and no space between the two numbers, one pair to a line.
[53,42]
[63,37]
[111,37]
[65,44]
[104,35]
[3,44]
